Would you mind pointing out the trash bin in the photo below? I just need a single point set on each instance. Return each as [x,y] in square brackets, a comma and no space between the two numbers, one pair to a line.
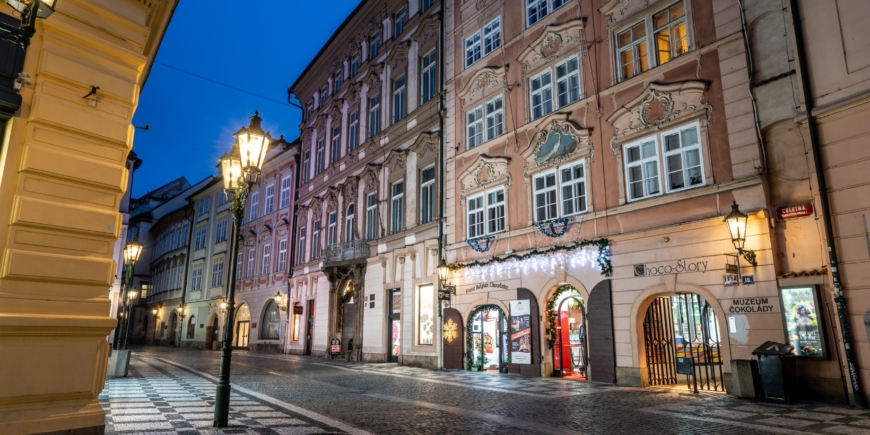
[778,371]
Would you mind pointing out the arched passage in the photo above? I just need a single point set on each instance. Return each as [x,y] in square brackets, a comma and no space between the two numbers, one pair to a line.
[486,335]
[243,326]
[566,332]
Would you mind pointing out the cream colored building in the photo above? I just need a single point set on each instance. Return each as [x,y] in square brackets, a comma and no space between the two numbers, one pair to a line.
[62,177]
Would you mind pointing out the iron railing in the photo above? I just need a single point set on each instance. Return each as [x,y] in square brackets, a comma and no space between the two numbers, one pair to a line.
[347,251]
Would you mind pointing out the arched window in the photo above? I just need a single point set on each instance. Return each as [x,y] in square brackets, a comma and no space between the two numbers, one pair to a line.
[191,327]
[271,322]
[349,224]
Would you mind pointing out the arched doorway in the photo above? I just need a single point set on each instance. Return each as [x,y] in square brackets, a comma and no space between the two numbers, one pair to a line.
[682,343]
[243,327]
[487,346]
[173,324]
[271,324]
[346,319]
[567,330]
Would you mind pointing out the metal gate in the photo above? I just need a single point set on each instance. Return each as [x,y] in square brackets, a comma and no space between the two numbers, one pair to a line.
[682,338]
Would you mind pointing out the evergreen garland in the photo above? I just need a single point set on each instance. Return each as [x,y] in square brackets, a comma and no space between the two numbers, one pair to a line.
[551,313]
[469,337]
[548,227]
[603,246]
[478,246]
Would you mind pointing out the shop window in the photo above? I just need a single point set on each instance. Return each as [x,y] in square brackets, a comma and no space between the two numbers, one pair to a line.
[191,327]
[426,315]
[271,326]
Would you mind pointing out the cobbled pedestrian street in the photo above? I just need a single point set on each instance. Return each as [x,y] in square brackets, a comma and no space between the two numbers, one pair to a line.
[172,391]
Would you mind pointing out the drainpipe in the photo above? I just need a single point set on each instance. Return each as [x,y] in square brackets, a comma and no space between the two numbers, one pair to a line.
[839,299]
[441,163]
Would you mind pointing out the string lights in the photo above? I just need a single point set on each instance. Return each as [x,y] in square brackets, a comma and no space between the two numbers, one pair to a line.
[541,261]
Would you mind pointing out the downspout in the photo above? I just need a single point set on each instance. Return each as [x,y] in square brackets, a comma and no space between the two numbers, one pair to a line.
[839,299]
[749,85]
[441,163]
[291,259]
[186,268]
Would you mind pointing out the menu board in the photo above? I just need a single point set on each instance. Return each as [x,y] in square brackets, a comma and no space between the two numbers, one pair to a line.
[802,318]
[521,332]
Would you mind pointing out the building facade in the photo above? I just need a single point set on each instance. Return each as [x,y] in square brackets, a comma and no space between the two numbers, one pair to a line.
[367,221]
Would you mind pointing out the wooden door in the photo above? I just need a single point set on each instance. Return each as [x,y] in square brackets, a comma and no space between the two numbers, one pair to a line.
[602,352]
[454,339]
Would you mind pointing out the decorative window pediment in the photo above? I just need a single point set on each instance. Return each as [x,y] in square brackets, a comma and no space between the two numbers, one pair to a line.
[657,106]
[426,145]
[484,172]
[282,223]
[301,211]
[553,43]
[373,79]
[556,141]
[320,122]
[371,176]
[427,31]
[398,57]
[335,111]
[396,161]
[316,203]
[349,188]
[331,199]
[487,81]
[353,92]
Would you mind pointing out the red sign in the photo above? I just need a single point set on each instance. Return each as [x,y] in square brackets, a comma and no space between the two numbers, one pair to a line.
[297,309]
[786,212]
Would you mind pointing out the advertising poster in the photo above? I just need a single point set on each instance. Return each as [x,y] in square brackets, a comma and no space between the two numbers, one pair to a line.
[521,332]
[803,326]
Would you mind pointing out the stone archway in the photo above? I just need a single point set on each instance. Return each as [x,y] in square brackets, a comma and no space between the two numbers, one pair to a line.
[346,319]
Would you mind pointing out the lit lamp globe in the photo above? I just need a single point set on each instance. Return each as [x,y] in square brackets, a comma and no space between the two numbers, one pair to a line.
[154,311]
[253,145]
[231,170]
[132,251]
[736,222]
[44,8]
[279,298]
[443,272]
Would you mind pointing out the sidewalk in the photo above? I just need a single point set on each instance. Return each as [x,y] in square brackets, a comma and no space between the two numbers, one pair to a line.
[162,398]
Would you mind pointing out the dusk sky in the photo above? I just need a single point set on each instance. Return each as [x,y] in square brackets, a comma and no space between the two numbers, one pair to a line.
[261,52]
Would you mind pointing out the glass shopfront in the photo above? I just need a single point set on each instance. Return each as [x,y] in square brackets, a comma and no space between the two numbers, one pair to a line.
[569,352]
[489,338]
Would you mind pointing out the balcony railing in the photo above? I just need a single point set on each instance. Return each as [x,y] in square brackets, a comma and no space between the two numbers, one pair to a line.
[347,251]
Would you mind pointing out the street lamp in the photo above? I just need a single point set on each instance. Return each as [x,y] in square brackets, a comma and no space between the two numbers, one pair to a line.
[446,289]
[736,222]
[132,251]
[44,8]
[240,169]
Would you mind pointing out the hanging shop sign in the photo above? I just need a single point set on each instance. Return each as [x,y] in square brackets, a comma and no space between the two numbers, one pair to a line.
[751,305]
[802,320]
[521,332]
[681,266]
[785,212]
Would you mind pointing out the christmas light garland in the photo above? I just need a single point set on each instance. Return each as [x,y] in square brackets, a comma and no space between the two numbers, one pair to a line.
[572,255]
[475,243]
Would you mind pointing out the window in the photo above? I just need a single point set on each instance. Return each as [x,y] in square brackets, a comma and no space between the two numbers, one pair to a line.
[250,272]
[178,276]
[330,229]
[374,115]
[171,242]
[353,131]
[282,255]
[472,49]
[568,81]
[682,157]
[191,327]
[315,240]
[306,166]
[335,152]
[670,34]
[324,92]
[286,182]
[537,9]
[642,169]
[200,237]
[266,265]
[217,272]
[220,234]
[300,256]
[486,214]
[426,315]
[541,92]
[295,326]
[427,77]
[374,45]
[573,182]
[493,112]
[184,232]
[320,156]
[203,206]
[545,197]
[354,65]
[483,42]
[336,82]
[631,44]
[196,278]
[221,198]
[427,194]
[350,224]
[371,217]
[270,199]
[271,326]
[397,207]
[427,4]
[239,266]
[400,20]
[309,109]
[255,206]
[399,98]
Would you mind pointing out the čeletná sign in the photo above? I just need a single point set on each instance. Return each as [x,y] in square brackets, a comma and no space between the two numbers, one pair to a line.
[751,305]
[785,212]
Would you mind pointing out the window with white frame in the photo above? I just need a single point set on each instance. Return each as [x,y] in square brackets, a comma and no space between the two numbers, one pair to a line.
[399,98]
[336,82]
[306,166]
[266,265]
[250,269]
[632,47]
[270,199]
[495,212]
[682,157]
[397,207]
[567,78]
[330,228]
[494,118]
[483,42]
[374,115]
[220,233]
[217,272]
[401,18]
[427,77]
[286,183]
[545,190]
[572,181]
[239,266]
[195,277]
[309,109]
[315,240]
[474,125]
[374,45]
[282,255]
[427,194]
[349,223]
[669,31]
[324,92]
[221,198]
[538,9]
[203,206]
[200,237]
[179,274]
[335,152]
[320,156]
[642,169]
[300,255]
[474,217]
[353,131]
[255,206]
[354,65]
[371,216]
[485,214]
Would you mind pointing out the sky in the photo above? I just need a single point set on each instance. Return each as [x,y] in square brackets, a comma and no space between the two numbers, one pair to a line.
[261,52]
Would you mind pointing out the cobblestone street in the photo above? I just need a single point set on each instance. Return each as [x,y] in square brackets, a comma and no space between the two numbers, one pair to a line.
[172,391]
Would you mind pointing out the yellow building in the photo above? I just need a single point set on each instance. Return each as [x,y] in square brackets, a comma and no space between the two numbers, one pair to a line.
[62,177]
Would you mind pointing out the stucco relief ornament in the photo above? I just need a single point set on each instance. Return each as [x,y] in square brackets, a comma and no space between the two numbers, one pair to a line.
[482,80]
[429,147]
[551,45]
[400,60]
[373,80]
[492,175]
[431,33]
[480,4]
[352,157]
[398,165]
[335,113]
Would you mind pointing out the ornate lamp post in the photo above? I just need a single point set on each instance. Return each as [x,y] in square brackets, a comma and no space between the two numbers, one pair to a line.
[132,251]
[736,222]
[240,169]
[445,290]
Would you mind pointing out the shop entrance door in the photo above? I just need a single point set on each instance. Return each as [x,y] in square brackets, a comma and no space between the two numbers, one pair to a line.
[569,353]
[243,329]
[489,335]
[173,323]
[681,335]
[394,326]
[309,327]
